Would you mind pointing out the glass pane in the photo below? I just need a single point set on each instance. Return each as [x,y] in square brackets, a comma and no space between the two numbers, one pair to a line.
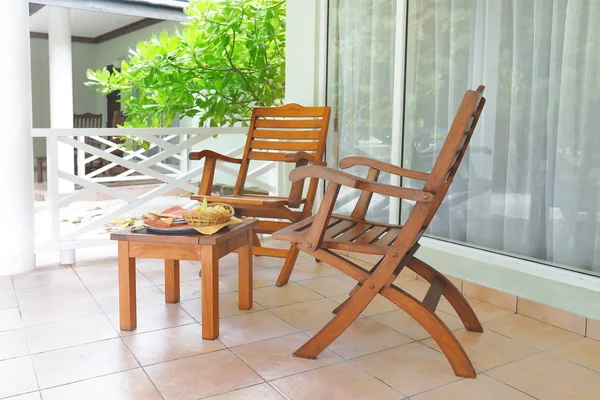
[530,183]
[360,89]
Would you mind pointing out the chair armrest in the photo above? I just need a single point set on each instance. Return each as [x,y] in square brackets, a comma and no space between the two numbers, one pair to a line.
[210,164]
[302,155]
[199,155]
[345,179]
[381,166]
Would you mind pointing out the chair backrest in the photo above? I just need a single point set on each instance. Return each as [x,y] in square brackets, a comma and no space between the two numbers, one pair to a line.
[275,131]
[118,119]
[87,120]
[454,149]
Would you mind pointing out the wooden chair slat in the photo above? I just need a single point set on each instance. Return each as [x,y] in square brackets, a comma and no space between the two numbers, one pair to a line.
[289,134]
[291,146]
[398,244]
[300,124]
[290,110]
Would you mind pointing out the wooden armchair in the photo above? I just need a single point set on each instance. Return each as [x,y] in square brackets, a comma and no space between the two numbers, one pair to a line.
[324,232]
[288,134]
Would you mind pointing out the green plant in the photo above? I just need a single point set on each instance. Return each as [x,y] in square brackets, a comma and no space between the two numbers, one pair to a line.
[229,58]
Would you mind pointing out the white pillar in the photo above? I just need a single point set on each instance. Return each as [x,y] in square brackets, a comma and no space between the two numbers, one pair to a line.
[61,97]
[16,151]
[61,86]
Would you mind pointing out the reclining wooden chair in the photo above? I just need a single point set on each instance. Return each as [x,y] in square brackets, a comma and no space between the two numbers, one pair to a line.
[320,234]
[290,134]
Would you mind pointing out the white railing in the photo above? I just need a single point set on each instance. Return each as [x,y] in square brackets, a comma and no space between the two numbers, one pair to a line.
[165,165]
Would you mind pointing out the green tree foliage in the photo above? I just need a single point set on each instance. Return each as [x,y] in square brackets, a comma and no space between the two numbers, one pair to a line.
[229,58]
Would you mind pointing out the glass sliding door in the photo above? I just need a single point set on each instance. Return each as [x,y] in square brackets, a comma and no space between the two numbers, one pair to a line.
[530,184]
[360,89]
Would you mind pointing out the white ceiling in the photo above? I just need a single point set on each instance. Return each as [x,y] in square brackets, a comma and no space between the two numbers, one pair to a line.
[84,23]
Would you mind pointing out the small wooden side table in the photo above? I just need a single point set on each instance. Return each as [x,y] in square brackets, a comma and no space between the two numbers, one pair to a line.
[173,248]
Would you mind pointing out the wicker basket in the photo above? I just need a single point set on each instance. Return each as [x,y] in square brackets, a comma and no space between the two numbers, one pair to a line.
[200,219]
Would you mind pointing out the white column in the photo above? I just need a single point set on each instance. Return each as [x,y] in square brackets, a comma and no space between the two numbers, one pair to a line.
[301,64]
[61,97]
[61,86]
[16,152]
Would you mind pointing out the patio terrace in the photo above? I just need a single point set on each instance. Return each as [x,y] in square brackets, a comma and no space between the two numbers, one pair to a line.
[59,339]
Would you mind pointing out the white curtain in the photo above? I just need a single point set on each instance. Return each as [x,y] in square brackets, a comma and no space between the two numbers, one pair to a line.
[360,87]
[530,184]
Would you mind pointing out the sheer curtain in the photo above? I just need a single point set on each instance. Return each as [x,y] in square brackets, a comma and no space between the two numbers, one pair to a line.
[531,182]
[360,87]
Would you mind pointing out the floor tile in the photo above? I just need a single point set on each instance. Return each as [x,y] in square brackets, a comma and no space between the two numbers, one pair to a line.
[86,361]
[292,293]
[45,277]
[405,324]
[145,297]
[484,311]
[550,378]
[258,392]
[61,310]
[128,385]
[593,329]
[365,336]
[193,289]
[6,283]
[10,319]
[16,377]
[260,278]
[202,376]
[8,300]
[552,316]
[339,381]
[74,332]
[248,328]
[154,318]
[228,307]
[187,272]
[273,359]
[529,331]
[488,349]
[13,344]
[410,369]
[110,286]
[28,396]
[329,286]
[307,315]
[170,344]
[489,295]
[379,305]
[482,388]
[584,352]
[48,293]
[310,270]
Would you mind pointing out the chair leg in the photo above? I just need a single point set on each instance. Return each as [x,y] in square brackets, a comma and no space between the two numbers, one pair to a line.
[338,324]
[454,352]
[451,293]
[354,290]
[288,266]
[256,241]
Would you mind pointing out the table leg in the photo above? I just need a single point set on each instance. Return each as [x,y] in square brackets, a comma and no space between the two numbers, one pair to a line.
[127,300]
[245,274]
[172,281]
[210,292]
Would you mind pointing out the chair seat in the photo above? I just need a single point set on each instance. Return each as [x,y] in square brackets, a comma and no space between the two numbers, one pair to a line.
[247,200]
[346,233]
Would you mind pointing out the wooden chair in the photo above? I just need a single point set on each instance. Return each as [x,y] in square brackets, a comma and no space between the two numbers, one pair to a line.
[324,232]
[287,134]
[87,120]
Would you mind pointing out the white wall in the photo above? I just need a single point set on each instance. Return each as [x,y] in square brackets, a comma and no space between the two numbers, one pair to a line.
[85,55]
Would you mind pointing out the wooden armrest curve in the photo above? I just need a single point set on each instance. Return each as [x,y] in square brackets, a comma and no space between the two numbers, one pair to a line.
[382,166]
[199,155]
[345,179]
[302,155]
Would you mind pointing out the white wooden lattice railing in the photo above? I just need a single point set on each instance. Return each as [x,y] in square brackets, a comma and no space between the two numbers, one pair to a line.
[166,161]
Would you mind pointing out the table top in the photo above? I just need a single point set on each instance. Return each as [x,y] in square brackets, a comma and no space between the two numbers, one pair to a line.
[223,235]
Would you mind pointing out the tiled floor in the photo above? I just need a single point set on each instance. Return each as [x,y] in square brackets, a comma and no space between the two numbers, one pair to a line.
[59,340]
